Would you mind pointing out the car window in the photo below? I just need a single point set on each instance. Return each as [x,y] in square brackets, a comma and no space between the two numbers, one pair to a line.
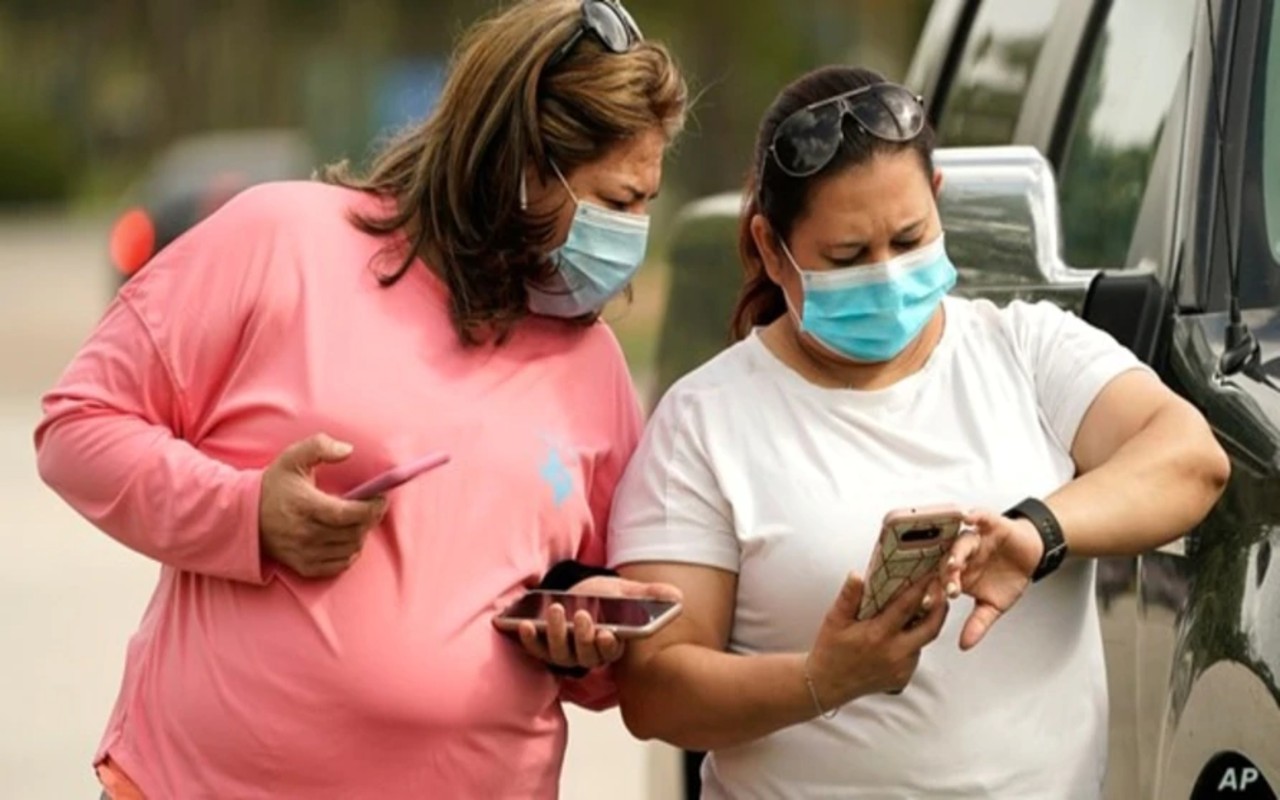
[1133,69]
[1271,138]
[1259,254]
[995,69]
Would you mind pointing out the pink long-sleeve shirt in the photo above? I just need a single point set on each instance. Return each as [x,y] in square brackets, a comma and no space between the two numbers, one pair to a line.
[262,326]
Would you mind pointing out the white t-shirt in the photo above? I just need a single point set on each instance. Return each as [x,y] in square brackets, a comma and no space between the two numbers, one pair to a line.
[748,467]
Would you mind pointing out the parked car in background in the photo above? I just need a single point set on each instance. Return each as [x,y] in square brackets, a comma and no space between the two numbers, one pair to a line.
[192,178]
[1120,158]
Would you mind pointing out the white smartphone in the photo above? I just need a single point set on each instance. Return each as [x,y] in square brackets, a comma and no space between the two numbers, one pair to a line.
[627,617]
[913,542]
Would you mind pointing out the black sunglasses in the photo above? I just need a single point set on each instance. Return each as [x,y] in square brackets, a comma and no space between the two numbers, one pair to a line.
[609,22]
[807,140]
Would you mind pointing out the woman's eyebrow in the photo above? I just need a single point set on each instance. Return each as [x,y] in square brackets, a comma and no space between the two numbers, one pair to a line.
[639,194]
[857,244]
[912,226]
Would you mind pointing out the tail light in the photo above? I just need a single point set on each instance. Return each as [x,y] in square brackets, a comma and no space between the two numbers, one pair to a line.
[133,241]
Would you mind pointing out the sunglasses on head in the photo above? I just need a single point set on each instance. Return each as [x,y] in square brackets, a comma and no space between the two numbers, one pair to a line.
[609,22]
[807,140]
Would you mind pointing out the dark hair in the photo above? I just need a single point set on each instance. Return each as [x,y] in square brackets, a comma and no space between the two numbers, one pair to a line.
[782,199]
[454,180]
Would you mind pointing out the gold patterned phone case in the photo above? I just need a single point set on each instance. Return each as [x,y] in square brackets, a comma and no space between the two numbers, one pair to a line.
[912,544]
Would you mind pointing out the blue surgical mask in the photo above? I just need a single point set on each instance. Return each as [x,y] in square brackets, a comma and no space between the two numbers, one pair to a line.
[597,261]
[871,313]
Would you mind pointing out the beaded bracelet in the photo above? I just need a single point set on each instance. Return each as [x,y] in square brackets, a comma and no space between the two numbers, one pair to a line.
[813,692]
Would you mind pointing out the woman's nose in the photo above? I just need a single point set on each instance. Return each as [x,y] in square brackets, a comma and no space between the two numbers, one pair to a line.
[879,253]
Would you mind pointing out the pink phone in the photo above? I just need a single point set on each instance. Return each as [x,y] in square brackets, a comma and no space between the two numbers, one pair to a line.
[913,541]
[396,476]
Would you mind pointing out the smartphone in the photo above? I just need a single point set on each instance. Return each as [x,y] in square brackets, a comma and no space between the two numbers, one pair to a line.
[913,541]
[628,618]
[396,476]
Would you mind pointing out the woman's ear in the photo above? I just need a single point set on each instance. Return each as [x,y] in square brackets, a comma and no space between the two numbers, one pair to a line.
[937,183]
[767,246]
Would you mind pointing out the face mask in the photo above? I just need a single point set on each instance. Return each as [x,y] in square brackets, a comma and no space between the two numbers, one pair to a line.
[597,261]
[871,313]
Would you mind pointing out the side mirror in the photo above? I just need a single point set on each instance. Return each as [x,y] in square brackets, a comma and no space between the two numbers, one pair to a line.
[999,207]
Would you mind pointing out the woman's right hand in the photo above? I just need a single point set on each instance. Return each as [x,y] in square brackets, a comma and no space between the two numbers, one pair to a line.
[313,533]
[851,659]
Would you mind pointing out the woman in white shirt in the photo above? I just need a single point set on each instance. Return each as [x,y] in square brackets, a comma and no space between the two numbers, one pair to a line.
[857,386]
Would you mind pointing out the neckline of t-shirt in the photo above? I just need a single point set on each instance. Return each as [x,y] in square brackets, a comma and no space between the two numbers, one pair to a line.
[886,396]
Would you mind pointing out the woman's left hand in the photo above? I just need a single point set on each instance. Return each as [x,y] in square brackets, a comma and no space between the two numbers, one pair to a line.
[577,643]
[992,563]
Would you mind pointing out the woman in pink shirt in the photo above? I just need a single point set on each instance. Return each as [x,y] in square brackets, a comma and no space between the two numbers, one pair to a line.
[310,335]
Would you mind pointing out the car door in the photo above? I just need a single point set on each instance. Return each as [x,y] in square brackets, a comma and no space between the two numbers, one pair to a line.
[1119,141]
[1209,614]
[1103,94]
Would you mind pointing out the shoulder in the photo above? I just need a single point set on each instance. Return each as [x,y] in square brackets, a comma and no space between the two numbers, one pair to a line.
[261,239]
[594,349]
[985,314]
[290,206]
[730,367]
[1022,317]
[727,376]
[259,223]
[1050,341]
[1020,323]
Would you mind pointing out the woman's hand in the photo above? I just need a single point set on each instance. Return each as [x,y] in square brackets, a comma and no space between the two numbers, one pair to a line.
[313,533]
[850,659]
[993,563]
[578,644]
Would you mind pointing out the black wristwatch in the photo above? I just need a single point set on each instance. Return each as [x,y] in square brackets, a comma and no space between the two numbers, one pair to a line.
[1050,530]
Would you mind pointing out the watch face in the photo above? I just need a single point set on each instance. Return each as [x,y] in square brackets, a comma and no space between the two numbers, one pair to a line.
[1054,558]
[1050,562]
[1040,516]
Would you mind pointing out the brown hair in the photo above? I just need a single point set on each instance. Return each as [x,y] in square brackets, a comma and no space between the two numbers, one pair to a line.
[783,199]
[455,178]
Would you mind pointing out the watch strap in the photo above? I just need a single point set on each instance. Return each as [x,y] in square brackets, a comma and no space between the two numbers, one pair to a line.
[1050,530]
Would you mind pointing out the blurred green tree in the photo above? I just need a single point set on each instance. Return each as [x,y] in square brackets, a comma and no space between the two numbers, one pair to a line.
[127,77]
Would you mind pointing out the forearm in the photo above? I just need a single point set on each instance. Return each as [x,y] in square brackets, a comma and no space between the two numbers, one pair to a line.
[701,699]
[1153,489]
[152,492]
[593,690]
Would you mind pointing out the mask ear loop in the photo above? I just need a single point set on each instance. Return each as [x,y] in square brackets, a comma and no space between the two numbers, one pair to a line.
[560,175]
[796,317]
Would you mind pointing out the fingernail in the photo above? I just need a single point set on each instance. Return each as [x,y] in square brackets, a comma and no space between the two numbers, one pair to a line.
[953,591]
[342,448]
[927,602]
